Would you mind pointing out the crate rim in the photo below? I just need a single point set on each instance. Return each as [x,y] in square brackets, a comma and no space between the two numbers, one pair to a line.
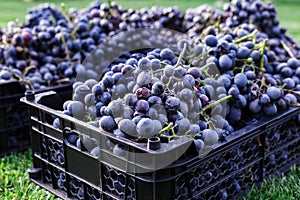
[232,138]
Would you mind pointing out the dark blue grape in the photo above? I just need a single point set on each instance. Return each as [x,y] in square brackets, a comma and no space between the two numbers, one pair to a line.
[167,54]
[264,99]
[240,80]
[144,64]
[199,144]
[158,89]
[255,106]
[274,93]
[243,52]
[105,98]
[270,109]
[290,99]
[289,83]
[107,123]
[225,62]
[142,106]
[211,40]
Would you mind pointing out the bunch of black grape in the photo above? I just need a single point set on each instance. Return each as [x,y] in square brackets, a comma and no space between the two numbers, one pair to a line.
[198,19]
[158,93]
[47,49]
[171,95]
[258,84]
[264,16]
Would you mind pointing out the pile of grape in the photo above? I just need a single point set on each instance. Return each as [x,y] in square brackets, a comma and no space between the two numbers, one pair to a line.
[48,48]
[231,69]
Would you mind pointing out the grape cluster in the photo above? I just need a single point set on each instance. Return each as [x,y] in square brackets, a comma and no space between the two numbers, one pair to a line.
[155,93]
[264,16]
[48,48]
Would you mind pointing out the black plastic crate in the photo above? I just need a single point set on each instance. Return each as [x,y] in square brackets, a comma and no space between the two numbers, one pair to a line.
[226,172]
[14,119]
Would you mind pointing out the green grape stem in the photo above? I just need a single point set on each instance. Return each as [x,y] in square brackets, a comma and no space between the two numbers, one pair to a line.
[246,37]
[65,12]
[27,69]
[293,91]
[215,103]
[203,69]
[167,128]
[218,24]
[264,44]
[181,56]
[66,47]
[288,50]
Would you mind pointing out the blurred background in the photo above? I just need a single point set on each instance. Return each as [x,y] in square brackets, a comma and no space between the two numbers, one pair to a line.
[288,10]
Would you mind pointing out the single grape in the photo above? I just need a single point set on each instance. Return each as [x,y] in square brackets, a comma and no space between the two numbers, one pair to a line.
[158,89]
[130,99]
[290,99]
[128,126]
[188,81]
[142,106]
[194,129]
[152,113]
[167,54]
[180,72]
[210,137]
[270,109]
[56,123]
[105,98]
[156,64]
[107,81]
[186,94]
[183,126]
[77,109]
[89,99]
[225,62]
[239,101]
[107,123]
[293,63]
[169,71]
[143,78]
[255,106]
[264,99]
[145,128]
[172,104]
[97,89]
[199,144]
[274,93]
[143,92]
[195,72]
[211,40]
[243,52]
[289,83]
[154,100]
[240,80]
[88,143]
[144,64]
[114,108]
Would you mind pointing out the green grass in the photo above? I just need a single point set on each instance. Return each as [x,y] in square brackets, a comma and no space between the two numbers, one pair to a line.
[15,184]
[14,180]
[282,188]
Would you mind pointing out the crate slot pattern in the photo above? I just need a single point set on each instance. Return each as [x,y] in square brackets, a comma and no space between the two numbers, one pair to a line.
[53,151]
[14,121]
